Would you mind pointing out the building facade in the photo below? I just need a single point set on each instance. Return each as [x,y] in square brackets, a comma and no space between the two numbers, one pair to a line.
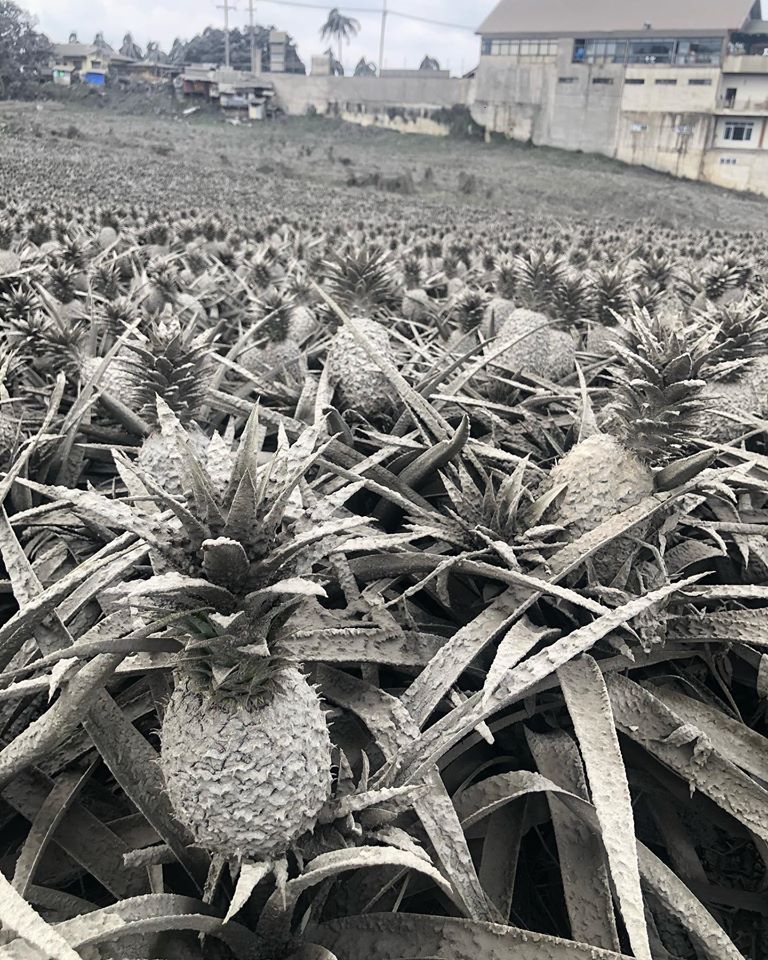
[680,87]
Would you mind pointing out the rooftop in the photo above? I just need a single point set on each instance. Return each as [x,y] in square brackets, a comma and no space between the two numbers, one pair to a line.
[74,49]
[563,18]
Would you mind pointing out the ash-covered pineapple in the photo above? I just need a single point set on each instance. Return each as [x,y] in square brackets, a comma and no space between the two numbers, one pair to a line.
[655,416]
[362,283]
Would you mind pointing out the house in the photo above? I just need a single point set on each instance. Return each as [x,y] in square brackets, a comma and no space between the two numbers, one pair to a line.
[87,62]
[234,90]
[677,86]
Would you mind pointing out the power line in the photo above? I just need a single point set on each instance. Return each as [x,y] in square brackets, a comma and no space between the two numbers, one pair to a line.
[379,10]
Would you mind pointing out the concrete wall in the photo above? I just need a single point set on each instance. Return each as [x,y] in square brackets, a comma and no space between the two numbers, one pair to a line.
[295,93]
[746,170]
[671,142]
[751,91]
[558,103]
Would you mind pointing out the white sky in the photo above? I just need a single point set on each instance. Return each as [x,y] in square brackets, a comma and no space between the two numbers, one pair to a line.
[407,41]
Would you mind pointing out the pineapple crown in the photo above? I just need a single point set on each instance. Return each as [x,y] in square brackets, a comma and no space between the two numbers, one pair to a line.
[468,309]
[658,407]
[610,295]
[361,280]
[738,332]
[273,314]
[172,364]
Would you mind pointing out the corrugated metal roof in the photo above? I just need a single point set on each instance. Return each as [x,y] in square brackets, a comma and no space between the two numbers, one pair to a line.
[570,17]
[74,49]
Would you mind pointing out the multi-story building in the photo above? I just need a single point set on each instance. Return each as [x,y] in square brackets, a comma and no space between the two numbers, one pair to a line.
[677,86]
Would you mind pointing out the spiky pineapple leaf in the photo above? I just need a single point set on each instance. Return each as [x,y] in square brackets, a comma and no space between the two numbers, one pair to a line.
[580,850]
[685,749]
[17,915]
[274,922]
[590,708]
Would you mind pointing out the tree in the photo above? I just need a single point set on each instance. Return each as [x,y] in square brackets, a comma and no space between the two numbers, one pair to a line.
[73,38]
[154,54]
[429,63]
[336,68]
[339,27]
[208,47]
[365,69]
[131,49]
[25,54]
[178,51]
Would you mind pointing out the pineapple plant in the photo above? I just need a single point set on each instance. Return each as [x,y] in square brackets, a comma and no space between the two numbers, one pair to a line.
[238,552]
[736,369]
[281,353]
[656,414]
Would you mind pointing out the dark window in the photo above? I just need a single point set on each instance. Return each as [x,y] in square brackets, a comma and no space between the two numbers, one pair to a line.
[634,81]
[666,82]
[730,96]
[485,47]
[651,51]
[648,50]
[700,82]
[739,130]
[602,80]
[567,79]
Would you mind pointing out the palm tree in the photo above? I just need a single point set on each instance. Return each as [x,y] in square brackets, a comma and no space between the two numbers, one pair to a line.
[340,27]
[365,69]
[131,49]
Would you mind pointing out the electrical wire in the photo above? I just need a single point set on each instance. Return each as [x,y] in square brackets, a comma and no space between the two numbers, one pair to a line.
[374,10]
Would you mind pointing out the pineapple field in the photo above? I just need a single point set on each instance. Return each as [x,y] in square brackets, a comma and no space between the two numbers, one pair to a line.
[384,543]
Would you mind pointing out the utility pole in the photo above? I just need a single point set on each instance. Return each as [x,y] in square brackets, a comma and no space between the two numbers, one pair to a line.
[381,35]
[226,7]
[252,38]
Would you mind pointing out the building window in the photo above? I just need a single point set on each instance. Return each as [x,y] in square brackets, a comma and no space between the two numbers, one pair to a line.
[738,130]
[648,50]
[700,82]
[602,80]
[519,48]
[567,79]
[666,82]
[635,81]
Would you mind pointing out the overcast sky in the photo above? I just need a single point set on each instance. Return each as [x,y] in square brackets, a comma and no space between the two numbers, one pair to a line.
[407,41]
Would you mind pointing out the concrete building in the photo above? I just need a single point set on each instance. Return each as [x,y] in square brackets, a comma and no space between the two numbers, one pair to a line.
[676,86]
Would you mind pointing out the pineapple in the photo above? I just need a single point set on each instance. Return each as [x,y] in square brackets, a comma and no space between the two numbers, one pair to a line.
[536,348]
[9,263]
[359,382]
[656,414]
[246,774]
